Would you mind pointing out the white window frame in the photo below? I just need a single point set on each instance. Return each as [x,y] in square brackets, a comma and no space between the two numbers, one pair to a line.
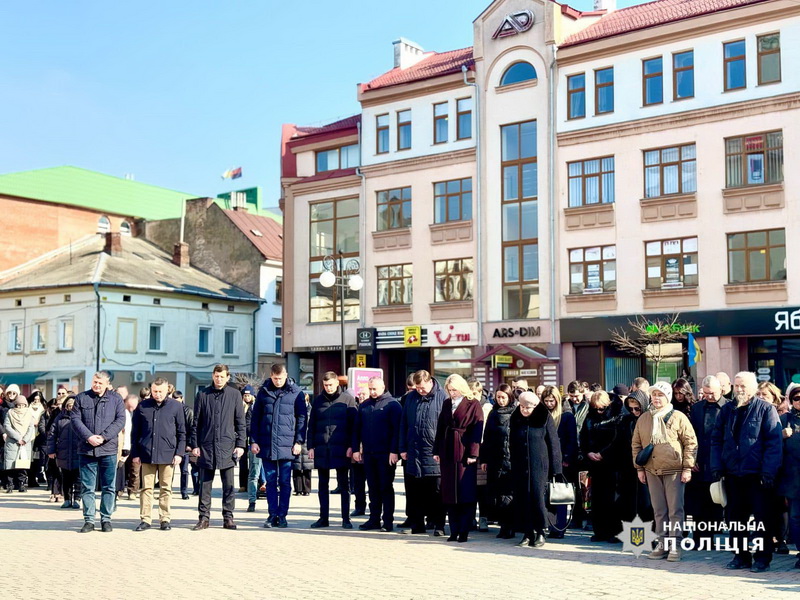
[16,339]
[39,333]
[128,349]
[235,344]
[62,326]
[210,349]
[150,326]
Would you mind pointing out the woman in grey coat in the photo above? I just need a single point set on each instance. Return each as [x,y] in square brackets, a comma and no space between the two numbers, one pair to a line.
[20,428]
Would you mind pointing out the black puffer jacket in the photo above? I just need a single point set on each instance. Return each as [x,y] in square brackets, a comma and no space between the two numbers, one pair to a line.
[418,430]
[377,425]
[330,429]
[495,451]
[607,433]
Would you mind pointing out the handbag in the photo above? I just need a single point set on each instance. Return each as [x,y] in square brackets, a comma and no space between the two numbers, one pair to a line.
[560,492]
[645,453]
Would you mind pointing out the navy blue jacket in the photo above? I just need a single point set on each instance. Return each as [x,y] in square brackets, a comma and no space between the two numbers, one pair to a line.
[279,419]
[62,441]
[568,436]
[703,416]
[158,431]
[418,431]
[218,426]
[106,419]
[790,471]
[377,426]
[759,448]
[330,429]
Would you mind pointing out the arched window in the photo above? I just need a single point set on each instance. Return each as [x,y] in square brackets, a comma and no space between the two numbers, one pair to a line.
[125,228]
[103,225]
[517,72]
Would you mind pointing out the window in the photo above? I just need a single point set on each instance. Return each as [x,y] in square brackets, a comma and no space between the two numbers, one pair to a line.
[229,342]
[394,285]
[103,225]
[15,331]
[65,332]
[683,75]
[734,65]
[452,200]
[576,96]
[382,134]
[517,73]
[39,336]
[278,339]
[671,263]
[334,232]
[604,91]
[754,159]
[204,340]
[591,181]
[520,221]
[593,270]
[155,338]
[126,335]
[403,130]
[394,209]
[345,157]
[67,297]
[440,123]
[652,81]
[125,228]
[463,118]
[769,58]
[18,302]
[452,280]
[42,299]
[278,290]
[670,171]
[157,301]
[757,256]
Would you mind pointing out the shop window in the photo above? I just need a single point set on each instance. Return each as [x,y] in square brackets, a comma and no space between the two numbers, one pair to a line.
[671,263]
[447,361]
[593,270]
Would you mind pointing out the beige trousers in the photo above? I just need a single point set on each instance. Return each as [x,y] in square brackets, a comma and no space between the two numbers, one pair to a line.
[666,495]
[165,473]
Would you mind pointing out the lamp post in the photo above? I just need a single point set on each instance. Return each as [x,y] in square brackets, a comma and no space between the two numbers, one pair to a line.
[343,276]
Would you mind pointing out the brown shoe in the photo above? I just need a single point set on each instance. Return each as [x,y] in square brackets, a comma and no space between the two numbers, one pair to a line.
[229,524]
[201,524]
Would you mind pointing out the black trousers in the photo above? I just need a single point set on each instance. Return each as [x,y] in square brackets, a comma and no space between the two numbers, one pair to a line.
[228,492]
[358,485]
[606,517]
[700,505]
[380,479]
[71,484]
[342,483]
[461,516]
[746,496]
[244,470]
[424,499]
[302,481]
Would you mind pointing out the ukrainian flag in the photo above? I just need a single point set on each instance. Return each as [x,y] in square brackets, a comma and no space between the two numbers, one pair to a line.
[695,354]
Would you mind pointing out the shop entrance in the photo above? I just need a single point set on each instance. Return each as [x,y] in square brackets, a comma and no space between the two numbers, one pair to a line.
[775,359]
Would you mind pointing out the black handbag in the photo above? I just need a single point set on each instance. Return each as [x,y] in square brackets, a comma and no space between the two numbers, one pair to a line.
[646,452]
[560,492]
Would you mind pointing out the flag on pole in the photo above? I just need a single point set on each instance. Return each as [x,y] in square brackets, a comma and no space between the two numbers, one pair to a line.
[232,173]
[695,354]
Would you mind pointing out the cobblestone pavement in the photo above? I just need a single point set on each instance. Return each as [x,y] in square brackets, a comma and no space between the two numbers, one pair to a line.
[50,559]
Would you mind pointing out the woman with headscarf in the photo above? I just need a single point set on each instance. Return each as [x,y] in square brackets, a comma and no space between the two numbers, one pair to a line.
[63,446]
[669,466]
[567,431]
[495,459]
[535,458]
[19,426]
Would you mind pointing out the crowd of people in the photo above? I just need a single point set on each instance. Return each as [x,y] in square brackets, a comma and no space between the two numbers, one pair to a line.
[468,458]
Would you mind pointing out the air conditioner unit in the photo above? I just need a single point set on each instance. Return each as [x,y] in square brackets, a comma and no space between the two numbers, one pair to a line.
[139,376]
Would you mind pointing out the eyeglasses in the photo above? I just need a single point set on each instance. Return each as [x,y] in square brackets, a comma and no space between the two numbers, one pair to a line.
[634,409]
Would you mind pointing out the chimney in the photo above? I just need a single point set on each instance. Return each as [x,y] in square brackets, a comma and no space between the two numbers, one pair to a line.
[407,53]
[113,243]
[180,254]
[607,5]
[240,208]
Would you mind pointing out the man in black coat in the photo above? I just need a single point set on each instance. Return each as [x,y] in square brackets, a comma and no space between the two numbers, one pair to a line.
[158,441]
[97,419]
[217,440]
[375,439]
[330,433]
[418,423]
[186,466]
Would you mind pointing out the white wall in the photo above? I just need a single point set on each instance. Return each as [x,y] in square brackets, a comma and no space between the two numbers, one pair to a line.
[270,311]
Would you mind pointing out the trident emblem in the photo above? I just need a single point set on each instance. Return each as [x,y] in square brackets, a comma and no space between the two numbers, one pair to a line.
[637,536]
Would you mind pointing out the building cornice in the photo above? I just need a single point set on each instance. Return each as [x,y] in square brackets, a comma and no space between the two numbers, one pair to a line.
[405,91]
[325,185]
[428,161]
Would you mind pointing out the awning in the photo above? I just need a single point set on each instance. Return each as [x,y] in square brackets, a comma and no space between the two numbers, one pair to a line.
[517,350]
[61,375]
[21,378]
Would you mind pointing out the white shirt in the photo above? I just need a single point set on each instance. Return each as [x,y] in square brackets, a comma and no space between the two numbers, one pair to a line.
[456,402]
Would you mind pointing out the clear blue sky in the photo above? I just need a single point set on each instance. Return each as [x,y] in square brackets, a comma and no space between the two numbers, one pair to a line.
[176,91]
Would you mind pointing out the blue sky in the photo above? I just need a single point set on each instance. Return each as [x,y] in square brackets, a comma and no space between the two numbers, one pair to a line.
[176,92]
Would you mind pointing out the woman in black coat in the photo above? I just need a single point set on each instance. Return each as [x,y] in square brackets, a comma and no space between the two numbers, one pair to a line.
[535,458]
[495,459]
[302,464]
[63,445]
[567,430]
[330,431]
[605,443]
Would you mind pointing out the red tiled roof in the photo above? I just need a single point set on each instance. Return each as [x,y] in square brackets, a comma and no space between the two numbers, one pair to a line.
[270,242]
[652,14]
[347,123]
[435,64]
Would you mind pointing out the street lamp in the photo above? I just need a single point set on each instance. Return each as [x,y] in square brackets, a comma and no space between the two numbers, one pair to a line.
[343,276]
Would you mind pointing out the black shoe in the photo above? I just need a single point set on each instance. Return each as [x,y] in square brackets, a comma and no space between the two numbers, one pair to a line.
[251,507]
[413,531]
[87,527]
[165,526]
[201,524]
[142,526]
[797,564]
[524,542]
[438,533]
[387,529]
[614,540]
[453,537]
[556,535]
[782,548]
[67,504]
[347,524]
[462,537]
[336,490]
[282,524]
[105,527]
[320,523]
[369,526]
[23,489]
[184,496]
[359,512]
[598,538]
[738,563]
[538,541]
[759,567]
[405,524]
[229,523]
[270,523]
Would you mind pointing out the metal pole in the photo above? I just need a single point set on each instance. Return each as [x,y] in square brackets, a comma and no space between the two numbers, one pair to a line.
[341,314]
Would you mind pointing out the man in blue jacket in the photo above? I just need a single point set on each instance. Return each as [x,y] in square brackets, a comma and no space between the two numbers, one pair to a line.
[375,434]
[417,432]
[278,430]
[746,450]
[97,419]
[158,442]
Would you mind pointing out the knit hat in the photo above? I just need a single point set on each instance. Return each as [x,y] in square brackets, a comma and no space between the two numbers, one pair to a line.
[248,389]
[664,388]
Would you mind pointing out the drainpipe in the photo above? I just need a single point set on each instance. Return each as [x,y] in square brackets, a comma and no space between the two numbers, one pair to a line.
[478,204]
[97,326]
[551,191]
[362,210]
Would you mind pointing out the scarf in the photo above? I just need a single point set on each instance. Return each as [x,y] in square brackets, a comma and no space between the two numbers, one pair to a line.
[21,419]
[37,408]
[659,435]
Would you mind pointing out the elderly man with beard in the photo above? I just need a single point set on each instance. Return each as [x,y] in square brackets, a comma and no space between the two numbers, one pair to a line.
[746,451]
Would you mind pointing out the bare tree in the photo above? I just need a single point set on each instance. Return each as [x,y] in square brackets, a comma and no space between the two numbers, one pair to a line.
[647,337]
